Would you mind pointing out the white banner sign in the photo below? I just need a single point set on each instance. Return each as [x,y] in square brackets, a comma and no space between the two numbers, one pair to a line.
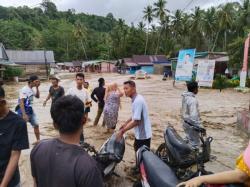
[205,72]
[243,76]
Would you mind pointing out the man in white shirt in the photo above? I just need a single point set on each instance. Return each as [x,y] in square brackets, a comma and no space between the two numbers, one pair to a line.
[25,104]
[140,118]
[80,92]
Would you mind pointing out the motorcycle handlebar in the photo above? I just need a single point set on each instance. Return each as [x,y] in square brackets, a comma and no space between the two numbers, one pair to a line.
[197,128]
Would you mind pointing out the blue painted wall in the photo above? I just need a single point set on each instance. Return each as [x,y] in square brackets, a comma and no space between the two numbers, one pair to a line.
[132,70]
[148,69]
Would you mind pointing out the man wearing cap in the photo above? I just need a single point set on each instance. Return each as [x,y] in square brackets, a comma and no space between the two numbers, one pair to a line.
[25,102]
[55,91]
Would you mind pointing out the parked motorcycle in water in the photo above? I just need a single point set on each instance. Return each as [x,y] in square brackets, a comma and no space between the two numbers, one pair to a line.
[184,160]
[155,173]
[110,154]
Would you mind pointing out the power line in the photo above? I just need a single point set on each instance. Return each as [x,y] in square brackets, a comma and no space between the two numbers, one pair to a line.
[33,6]
[189,3]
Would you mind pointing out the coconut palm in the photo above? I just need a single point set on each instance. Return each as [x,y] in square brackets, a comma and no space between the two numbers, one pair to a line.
[160,9]
[177,25]
[141,26]
[161,13]
[210,25]
[196,28]
[226,16]
[148,16]
[80,33]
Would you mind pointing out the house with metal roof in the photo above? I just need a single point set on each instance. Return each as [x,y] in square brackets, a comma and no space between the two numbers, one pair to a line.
[156,64]
[33,62]
[221,60]
[99,66]
[4,60]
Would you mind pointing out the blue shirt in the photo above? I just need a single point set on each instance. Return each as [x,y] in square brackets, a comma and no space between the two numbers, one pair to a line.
[140,113]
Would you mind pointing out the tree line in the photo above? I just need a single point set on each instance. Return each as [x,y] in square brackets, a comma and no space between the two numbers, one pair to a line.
[79,36]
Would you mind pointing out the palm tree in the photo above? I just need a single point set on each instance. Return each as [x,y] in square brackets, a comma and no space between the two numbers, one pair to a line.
[148,16]
[118,35]
[80,33]
[243,19]
[141,26]
[176,23]
[210,25]
[226,15]
[196,27]
[160,12]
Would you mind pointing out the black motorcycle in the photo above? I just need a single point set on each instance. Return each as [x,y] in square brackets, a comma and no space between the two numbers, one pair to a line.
[110,154]
[185,161]
[155,173]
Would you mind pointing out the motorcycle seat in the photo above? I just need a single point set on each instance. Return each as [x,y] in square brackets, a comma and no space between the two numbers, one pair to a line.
[177,142]
[159,174]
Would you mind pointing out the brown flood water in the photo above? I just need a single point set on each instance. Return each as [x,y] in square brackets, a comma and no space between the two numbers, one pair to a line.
[218,113]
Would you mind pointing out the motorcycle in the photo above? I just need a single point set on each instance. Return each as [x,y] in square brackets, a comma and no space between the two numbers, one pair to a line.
[155,173]
[110,154]
[185,161]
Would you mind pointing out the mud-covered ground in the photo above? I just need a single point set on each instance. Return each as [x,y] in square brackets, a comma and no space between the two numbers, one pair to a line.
[218,113]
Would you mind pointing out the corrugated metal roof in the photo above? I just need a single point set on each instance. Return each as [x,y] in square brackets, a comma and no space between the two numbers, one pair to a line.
[92,62]
[35,57]
[131,64]
[3,55]
[68,64]
[77,64]
[145,60]
[4,60]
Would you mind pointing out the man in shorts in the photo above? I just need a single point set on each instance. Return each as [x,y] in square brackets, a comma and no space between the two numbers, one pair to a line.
[25,102]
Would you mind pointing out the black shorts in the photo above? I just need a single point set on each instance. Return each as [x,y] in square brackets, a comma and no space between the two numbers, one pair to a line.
[140,143]
[87,110]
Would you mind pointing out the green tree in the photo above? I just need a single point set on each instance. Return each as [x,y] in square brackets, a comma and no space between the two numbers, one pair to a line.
[148,16]
[160,12]
[80,33]
[49,8]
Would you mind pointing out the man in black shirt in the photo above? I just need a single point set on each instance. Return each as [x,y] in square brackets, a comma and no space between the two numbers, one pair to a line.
[13,139]
[61,161]
[98,96]
[55,91]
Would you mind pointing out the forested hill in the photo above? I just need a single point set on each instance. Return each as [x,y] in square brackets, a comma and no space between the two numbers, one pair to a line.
[65,32]
[79,36]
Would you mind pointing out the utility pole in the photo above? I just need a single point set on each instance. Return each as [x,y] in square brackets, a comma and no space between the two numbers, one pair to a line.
[46,64]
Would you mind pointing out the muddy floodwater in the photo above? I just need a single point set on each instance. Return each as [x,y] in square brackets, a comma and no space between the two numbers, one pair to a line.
[218,113]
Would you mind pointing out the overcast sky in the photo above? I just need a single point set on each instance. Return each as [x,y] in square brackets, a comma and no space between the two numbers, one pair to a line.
[130,10]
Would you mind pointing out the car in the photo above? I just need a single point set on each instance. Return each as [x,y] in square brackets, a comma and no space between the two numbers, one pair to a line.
[141,74]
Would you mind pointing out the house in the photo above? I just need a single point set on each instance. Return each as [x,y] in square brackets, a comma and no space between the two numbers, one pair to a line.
[33,62]
[221,61]
[4,61]
[131,66]
[149,63]
[99,66]
[145,62]
[68,65]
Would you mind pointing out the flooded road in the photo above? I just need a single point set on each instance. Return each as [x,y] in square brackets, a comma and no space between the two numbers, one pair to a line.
[218,113]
